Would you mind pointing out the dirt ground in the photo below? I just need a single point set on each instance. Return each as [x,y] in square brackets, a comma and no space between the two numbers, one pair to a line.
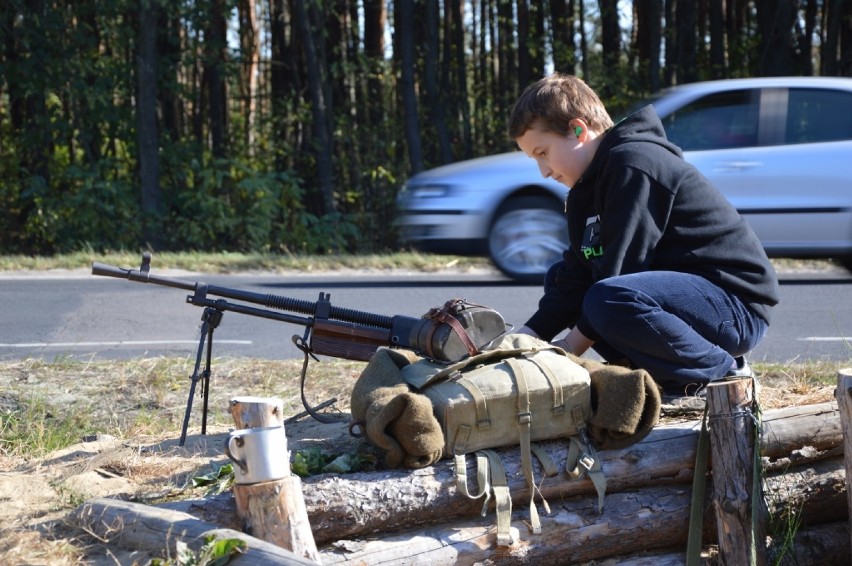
[36,495]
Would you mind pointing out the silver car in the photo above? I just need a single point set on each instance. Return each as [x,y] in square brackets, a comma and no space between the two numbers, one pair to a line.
[780,149]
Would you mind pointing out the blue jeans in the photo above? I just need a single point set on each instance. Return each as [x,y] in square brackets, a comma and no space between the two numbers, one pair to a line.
[679,327]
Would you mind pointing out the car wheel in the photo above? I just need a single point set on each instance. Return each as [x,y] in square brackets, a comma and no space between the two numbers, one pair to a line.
[528,235]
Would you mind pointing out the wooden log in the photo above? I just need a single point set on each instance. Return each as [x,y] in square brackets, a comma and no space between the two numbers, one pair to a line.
[150,529]
[355,505]
[275,511]
[647,520]
[824,544]
[814,493]
[256,412]
[844,401]
[814,546]
[731,422]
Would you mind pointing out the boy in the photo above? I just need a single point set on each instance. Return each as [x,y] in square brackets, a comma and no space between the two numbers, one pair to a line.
[662,273]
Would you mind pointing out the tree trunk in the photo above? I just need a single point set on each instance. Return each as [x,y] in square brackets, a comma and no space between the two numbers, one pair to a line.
[775,20]
[146,119]
[374,50]
[214,73]
[685,42]
[249,54]
[564,46]
[717,40]
[141,527]
[404,10]
[432,94]
[459,73]
[321,145]
[611,50]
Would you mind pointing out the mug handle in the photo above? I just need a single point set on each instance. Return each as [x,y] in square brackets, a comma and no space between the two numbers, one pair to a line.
[240,442]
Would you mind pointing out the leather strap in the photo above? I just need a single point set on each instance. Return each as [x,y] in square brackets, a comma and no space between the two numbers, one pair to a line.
[445,316]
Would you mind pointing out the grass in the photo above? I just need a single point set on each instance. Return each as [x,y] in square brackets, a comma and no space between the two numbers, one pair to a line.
[45,406]
[48,405]
[228,262]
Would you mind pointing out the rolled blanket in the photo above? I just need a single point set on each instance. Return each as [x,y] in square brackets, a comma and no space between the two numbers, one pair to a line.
[394,418]
[625,404]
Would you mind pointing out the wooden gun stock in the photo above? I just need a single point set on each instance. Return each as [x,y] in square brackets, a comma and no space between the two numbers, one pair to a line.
[347,340]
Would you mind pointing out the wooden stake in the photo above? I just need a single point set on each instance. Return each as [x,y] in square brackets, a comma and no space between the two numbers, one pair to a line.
[844,403]
[255,412]
[273,511]
[732,428]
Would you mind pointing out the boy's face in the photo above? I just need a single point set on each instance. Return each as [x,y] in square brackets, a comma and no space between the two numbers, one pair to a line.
[563,158]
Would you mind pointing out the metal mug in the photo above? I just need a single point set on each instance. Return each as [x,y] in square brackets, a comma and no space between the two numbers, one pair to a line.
[258,454]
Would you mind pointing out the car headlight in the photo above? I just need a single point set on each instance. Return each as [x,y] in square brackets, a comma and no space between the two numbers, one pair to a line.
[429,191]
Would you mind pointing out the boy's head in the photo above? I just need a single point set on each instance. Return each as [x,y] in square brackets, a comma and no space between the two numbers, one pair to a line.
[552,102]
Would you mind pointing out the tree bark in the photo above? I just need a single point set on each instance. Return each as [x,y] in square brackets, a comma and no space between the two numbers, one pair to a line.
[141,527]
[275,511]
[732,445]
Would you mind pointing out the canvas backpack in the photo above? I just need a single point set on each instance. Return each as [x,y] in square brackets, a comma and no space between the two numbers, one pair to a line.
[520,391]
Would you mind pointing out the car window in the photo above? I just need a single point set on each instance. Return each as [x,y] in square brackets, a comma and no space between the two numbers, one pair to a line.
[818,115]
[722,120]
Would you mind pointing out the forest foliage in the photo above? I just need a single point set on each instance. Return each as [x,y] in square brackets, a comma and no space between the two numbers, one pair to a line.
[288,126]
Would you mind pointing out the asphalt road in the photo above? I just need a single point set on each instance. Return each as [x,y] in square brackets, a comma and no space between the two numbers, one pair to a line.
[82,316]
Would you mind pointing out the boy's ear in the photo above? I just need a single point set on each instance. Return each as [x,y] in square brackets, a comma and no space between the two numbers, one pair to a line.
[577,127]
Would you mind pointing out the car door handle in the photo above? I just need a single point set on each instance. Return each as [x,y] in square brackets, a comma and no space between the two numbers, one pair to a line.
[737,165]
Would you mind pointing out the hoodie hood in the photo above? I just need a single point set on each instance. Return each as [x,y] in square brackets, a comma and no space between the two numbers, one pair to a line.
[641,126]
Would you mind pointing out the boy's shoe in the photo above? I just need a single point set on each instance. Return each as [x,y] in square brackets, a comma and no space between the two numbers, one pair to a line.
[741,370]
[695,402]
[685,405]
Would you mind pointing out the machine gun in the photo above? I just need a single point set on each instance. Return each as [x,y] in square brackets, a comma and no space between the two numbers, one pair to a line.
[447,333]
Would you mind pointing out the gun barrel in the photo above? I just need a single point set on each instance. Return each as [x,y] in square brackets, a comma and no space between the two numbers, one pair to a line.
[277,302]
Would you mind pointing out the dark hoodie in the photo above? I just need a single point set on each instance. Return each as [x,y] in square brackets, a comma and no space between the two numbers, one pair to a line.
[640,207]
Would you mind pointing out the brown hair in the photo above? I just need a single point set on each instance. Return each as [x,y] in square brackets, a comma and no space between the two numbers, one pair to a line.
[550,103]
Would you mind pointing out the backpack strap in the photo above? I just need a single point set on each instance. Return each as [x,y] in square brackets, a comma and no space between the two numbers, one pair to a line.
[555,386]
[582,458]
[491,476]
[502,499]
[482,478]
[524,424]
[482,419]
